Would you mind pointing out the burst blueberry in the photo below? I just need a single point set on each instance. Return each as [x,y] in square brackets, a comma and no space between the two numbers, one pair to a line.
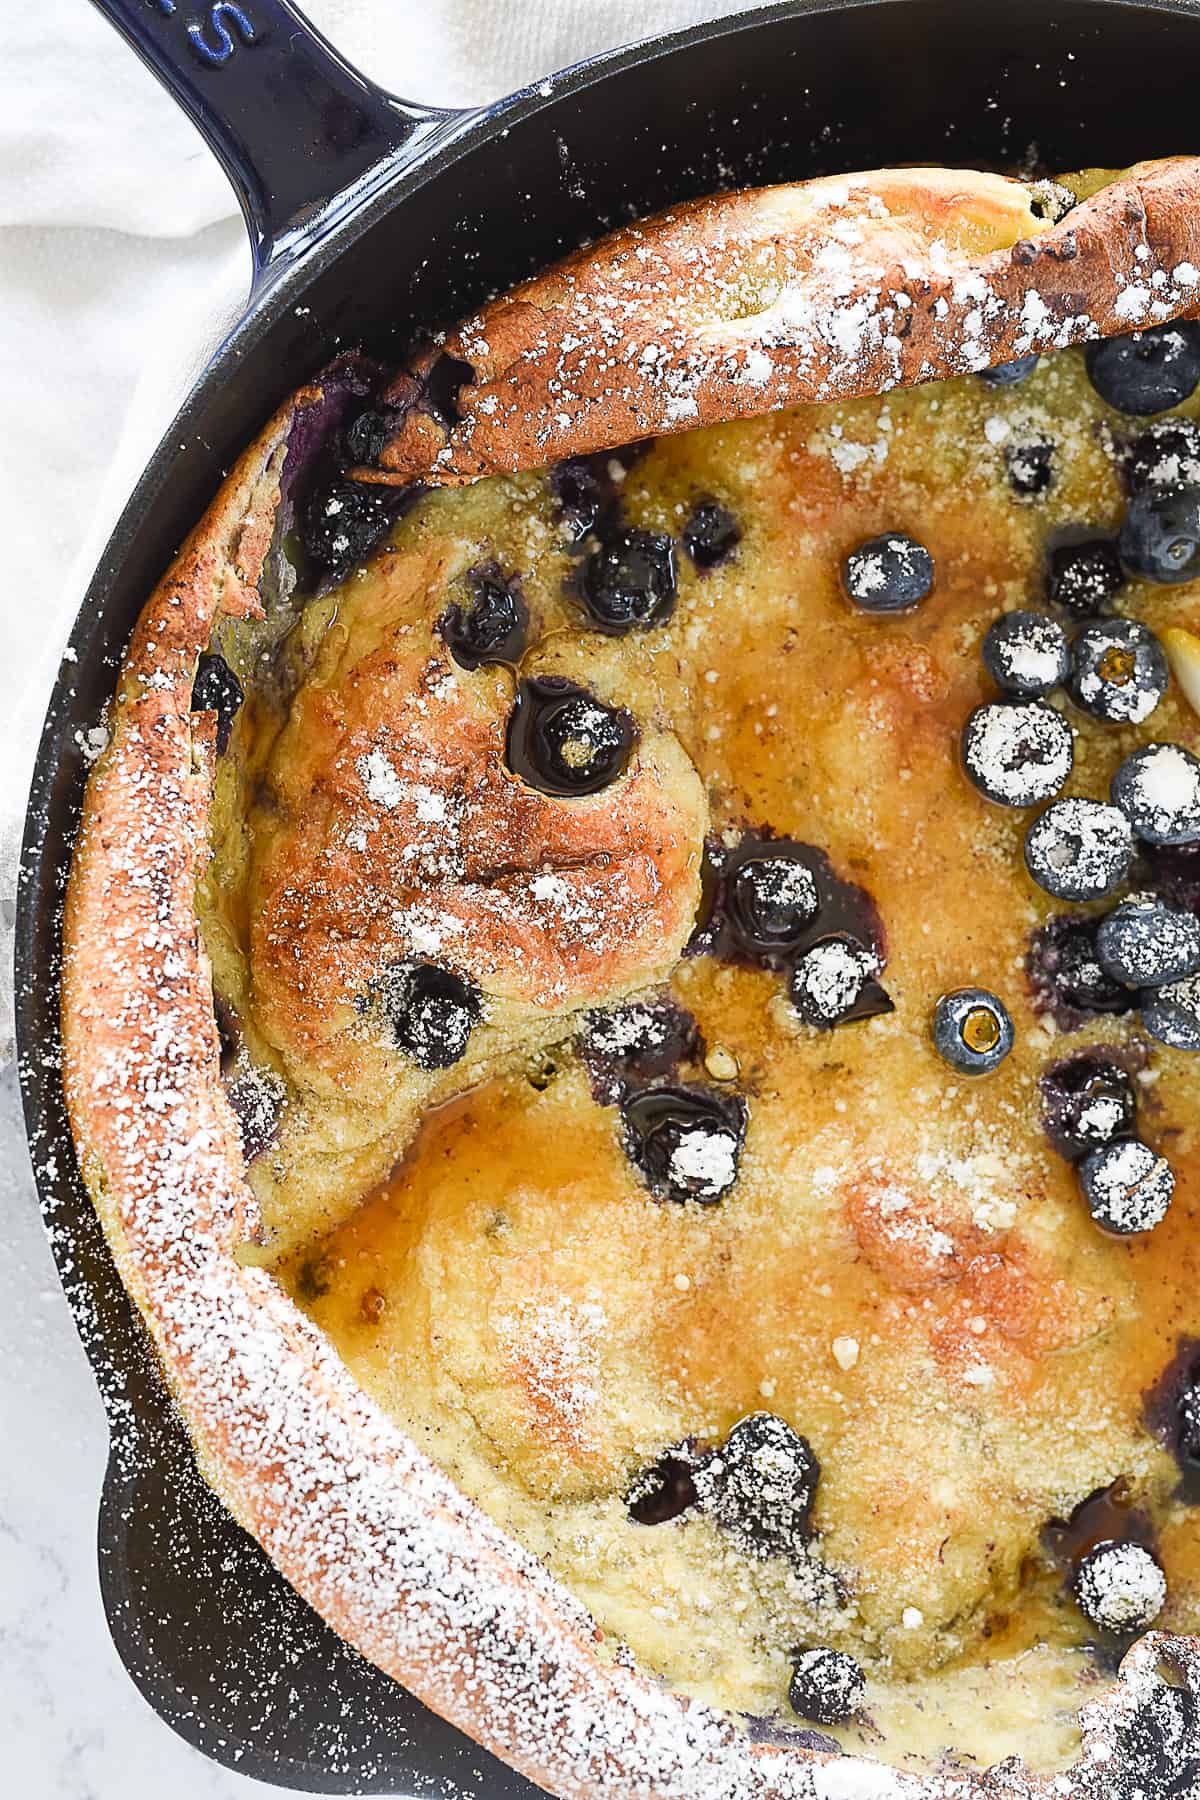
[432,1013]
[1147,943]
[493,625]
[687,1141]
[834,983]
[638,1040]
[1172,1014]
[1166,454]
[564,741]
[667,1489]
[772,899]
[1158,790]
[1128,1187]
[1087,1100]
[1066,976]
[1018,753]
[1119,671]
[1160,535]
[1079,849]
[344,522]
[711,535]
[1083,574]
[1026,654]
[972,1030]
[217,689]
[1147,371]
[628,583]
[827,1686]
[760,1486]
[1010,374]
[1030,468]
[888,574]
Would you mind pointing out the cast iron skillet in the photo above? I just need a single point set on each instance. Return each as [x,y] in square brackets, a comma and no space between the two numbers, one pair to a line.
[370,217]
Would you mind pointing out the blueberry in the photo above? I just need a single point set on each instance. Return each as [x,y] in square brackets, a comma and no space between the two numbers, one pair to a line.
[667,1489]
[1119,671]
[1082,575]
[687,1141]
[833,983]
[1079,849]
[827,1686]
[1172,1411]
[585,492]
[493,627]
[1166,454]
[972,1030]
[767,899]
[1010,373]
[1066,976]
[1026,654]
[1120,1588]
[257,1098]
[367,435]
[1087,1100]
[1127,1186]
[1160,537]
[432,1012]
[1148,371]
[1030,467]
[342,524]
[640,1039]
[628,584]
[711,534]
[1018,753]
[587,488]
[1158,790]
[564,741]
[888,574]
[772,899]
[1172,871]
[217,689]
[1153,1754]
[1146,943]
[760,1486]
[1172,1013]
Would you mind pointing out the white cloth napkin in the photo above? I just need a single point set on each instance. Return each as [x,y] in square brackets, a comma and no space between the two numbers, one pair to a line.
[122,264]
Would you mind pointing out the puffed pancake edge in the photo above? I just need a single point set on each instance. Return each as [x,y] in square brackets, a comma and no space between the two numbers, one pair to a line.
[740,303]
[366,1528]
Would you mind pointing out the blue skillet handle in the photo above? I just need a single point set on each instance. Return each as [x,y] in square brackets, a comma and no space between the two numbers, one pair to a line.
[298,131]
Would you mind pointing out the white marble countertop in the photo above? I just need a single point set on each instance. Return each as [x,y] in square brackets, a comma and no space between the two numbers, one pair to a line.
[75,1726]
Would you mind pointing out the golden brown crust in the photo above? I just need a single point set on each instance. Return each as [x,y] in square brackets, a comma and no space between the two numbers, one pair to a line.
[370,1532]
[741,303]
[399,832]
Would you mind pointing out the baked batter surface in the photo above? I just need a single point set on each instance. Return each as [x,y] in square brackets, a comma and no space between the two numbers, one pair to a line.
[903,1268]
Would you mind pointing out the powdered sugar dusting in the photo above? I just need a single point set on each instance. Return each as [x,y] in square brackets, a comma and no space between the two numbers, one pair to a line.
[368,1529]
[827,291]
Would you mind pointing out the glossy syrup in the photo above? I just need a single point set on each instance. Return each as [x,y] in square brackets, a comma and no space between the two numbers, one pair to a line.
[844,909]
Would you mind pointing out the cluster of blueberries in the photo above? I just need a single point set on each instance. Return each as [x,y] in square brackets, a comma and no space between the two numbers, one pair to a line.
[759,1486]
[685,1138]
[770,903]
[1019,750]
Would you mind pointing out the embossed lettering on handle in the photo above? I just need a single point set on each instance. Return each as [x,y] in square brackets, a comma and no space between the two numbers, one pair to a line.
[223,21]
[297,129]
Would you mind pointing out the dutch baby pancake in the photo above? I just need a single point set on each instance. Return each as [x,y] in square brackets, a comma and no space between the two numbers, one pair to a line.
[632,997]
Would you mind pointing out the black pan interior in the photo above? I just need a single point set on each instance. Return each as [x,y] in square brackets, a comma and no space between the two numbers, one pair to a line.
[217,1642]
